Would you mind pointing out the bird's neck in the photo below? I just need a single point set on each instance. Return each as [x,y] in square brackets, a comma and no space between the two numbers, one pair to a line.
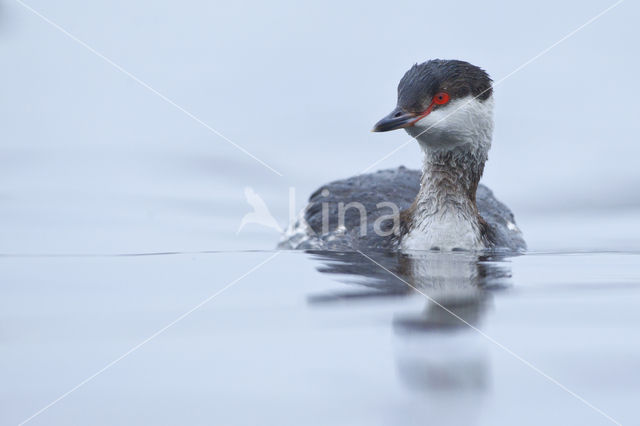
[444,215]
[450,178]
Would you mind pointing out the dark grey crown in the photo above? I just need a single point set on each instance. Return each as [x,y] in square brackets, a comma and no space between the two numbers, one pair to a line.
[457,78]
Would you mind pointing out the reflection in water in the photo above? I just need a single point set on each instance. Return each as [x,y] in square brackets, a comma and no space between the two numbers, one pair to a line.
[437,352]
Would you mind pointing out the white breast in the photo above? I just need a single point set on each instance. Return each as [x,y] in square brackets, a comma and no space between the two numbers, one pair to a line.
[445,231]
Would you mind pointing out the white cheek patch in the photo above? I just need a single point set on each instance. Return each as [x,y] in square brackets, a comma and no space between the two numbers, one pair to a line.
[466,120]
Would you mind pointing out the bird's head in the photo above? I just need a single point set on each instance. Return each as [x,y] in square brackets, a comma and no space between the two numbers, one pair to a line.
[443,104]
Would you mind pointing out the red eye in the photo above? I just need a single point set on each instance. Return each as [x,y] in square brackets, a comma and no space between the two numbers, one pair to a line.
[441,98]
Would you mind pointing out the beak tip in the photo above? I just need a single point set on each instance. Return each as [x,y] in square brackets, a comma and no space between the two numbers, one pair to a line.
[397,119]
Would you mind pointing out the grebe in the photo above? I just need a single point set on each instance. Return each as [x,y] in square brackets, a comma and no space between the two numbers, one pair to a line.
[447,106]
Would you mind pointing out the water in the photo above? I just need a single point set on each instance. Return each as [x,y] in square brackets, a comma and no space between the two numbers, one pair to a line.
[119,215]
[288,344]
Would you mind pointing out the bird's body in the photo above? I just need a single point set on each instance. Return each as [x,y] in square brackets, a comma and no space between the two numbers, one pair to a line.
[447,106]
[373,190]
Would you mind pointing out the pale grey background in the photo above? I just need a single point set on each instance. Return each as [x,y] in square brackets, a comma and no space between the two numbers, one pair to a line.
[93,162]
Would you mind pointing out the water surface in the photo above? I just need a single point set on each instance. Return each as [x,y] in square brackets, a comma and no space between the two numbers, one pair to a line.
[322,338]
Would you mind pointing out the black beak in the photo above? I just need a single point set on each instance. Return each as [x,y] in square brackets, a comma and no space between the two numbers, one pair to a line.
[397,119]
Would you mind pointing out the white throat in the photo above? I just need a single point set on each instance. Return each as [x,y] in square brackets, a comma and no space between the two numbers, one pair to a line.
[455,141]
